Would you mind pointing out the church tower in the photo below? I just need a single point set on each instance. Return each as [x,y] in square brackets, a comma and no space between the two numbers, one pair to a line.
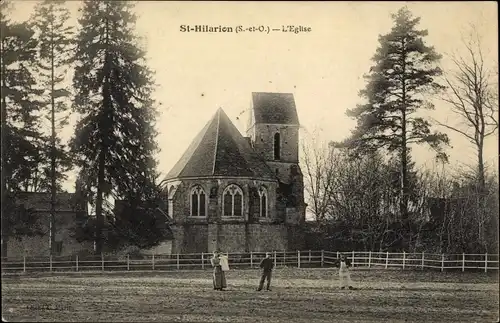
[274,132]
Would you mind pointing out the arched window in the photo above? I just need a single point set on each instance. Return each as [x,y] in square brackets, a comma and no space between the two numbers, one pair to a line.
[232,201]
[198,201]
[263,202]
[170,201]
[277,147]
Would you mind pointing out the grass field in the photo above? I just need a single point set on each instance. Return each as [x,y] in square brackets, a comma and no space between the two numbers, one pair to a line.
[298,295]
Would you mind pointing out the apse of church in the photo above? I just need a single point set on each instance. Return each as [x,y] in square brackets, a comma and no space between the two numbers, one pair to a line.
[236,193]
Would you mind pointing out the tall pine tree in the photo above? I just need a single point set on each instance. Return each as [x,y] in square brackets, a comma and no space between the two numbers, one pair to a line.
[403,73]
[115,137]
[54,44]
[21,153]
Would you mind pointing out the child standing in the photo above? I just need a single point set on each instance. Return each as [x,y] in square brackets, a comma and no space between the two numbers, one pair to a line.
[344,276]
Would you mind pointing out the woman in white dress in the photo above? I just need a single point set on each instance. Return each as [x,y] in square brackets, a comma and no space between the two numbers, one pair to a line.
[344,276]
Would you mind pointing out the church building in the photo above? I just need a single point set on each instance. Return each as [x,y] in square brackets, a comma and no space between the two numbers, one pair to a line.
[238,193]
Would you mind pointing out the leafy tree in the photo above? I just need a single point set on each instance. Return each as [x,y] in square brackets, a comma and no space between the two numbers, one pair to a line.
[19,116]
[115,136]
[141,222]
[54,44]
[403,73]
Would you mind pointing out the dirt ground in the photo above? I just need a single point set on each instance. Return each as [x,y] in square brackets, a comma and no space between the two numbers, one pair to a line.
[298,295]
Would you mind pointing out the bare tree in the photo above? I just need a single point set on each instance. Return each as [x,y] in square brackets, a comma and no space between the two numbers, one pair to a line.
[318,161]
[473,96]
[463,219]
[351,198]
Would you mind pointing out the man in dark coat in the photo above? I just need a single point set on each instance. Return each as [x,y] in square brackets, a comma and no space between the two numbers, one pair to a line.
[267,266]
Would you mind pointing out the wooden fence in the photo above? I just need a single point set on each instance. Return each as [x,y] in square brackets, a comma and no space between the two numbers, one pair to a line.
[299,259]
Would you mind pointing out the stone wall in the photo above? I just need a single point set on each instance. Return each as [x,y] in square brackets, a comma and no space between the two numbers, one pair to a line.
[38,246]
[282,170]
[289,136]
[164,248]
[195,238]
[214,189]
[233,237]
[268,237]
[229,234]
[178,239]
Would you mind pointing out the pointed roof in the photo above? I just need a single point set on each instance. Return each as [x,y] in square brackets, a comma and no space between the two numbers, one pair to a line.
[274,108]
[219,149]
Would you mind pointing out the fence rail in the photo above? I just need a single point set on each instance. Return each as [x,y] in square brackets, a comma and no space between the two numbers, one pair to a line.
[300,259]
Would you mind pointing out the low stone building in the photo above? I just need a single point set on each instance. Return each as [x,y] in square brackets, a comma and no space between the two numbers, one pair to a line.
[66,218]
[236,193]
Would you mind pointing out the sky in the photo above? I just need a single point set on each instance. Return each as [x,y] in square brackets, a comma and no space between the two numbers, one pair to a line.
[196,73]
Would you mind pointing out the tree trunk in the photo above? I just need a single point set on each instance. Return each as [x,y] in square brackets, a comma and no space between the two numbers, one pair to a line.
[99,203]
[481,191]
[104,132]
[52,156]
[403,207]
[5,212]
[482,184]
[403,201]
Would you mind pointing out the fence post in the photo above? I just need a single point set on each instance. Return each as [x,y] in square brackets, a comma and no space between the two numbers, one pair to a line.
[283,260]
[102,261]
[353,258]
[251,259]
[76,262]
[177,261]
[369,259]
[463,261]
[309,256]
[423,259]
[275,260]
[404,259]
[153,261]
[486,262]
[442,261]
[24,263]
[298,258]
[322,258]
[386,259]
[50,262]
[338,255]
[202,260]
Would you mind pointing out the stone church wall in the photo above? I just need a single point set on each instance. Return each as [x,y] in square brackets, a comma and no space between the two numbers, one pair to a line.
[235,237]
[264,141]
[206,234]
[214,189]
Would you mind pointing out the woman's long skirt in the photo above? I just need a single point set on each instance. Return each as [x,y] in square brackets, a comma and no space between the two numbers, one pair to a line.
[219,278]
[345,278]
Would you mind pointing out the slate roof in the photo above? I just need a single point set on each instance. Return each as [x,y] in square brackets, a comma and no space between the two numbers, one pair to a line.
[121,204]
[277,108]
[220,150]
[40,202]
